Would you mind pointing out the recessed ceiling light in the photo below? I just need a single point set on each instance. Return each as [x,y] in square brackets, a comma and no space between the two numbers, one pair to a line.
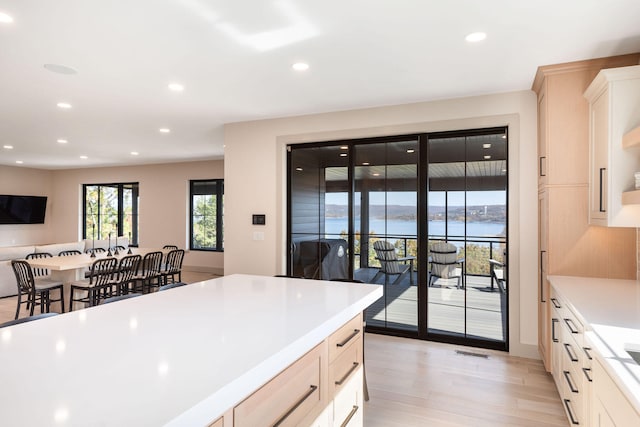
[164,130]
[299,169]
[64,105]
[61,141]
[487,157]
[476,37]
[5,19]
[411,150]
[134,153]
[19,162]
[504,136]
[504,170]
[365,164]
[376,174]
[8,147]
[344,147]
[176,87]
[343,154]
[300,66]
[84,157]
[486,145]
[60,69]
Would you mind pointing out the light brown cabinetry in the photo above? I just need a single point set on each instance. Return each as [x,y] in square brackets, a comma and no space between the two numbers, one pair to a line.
[567,244]
[323,388]
[610,408]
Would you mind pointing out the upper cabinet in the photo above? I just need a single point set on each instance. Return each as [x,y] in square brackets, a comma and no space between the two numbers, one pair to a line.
[614,111]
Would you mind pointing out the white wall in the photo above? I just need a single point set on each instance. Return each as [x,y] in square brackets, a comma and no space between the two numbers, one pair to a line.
[255,182]
[26,182]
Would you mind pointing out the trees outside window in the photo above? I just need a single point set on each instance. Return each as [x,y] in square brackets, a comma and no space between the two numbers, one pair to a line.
[109,209]
[206,207]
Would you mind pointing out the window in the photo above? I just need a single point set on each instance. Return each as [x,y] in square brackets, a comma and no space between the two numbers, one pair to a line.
[206,214]
[110,209]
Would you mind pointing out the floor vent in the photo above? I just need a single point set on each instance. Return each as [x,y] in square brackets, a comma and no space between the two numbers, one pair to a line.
[471,353]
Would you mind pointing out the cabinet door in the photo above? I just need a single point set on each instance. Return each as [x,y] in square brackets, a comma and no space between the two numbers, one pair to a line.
[599,143]
[542,137]
[543,285]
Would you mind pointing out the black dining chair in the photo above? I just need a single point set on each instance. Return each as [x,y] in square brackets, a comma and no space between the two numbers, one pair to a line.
[127,269]
[99,285]
[36,290]
[70,253]
[148,275]
[39,272]
[171,286]
[27,319]
[172,266]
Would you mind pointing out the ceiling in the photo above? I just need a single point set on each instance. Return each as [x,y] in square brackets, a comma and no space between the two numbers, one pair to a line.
[234,59]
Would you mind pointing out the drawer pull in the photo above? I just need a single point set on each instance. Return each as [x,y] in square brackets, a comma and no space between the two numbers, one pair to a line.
[540,167]
[586,351]
[567,404]
[555,302]
[572,326]
[553,330]
[351,414]
[300,401]
[587,373]
[570,352]
[346,340]
[567,376]
[349,372]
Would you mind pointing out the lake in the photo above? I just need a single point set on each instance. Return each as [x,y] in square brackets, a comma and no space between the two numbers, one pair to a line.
[334,226]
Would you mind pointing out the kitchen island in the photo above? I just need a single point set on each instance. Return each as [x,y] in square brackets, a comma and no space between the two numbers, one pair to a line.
[186,356]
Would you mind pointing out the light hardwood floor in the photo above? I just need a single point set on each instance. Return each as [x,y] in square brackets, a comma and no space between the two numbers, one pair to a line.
[419,383]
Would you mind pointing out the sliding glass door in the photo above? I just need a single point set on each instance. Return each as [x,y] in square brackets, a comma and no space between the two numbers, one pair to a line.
[423,216]
[467,217]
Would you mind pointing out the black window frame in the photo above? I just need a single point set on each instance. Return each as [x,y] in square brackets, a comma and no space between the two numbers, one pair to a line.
[219,194]
[135,187]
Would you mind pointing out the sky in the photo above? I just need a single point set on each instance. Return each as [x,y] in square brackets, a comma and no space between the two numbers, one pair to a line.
[409,198]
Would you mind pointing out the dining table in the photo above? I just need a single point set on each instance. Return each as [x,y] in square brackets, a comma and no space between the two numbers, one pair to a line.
[68,269]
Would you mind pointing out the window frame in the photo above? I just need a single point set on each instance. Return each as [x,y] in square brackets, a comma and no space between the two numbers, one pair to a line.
[135,187]
[219,194]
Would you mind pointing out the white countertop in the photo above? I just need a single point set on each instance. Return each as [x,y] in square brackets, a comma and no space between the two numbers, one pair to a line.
[610,311]
[178,357]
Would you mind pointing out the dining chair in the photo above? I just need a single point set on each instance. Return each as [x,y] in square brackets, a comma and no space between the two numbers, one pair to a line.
[127,269]
[173,266]
[95,251]
[36,290]
[171,286]
[70,253]
[27,319]
[99,285]
[39,272]
[170,247]
[148,275]
[119,298]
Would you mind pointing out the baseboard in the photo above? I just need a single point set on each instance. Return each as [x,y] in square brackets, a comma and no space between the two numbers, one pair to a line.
[524,350]
[204,269]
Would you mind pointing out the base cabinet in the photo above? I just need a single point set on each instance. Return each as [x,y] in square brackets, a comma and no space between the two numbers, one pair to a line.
[610,408]
[324,388]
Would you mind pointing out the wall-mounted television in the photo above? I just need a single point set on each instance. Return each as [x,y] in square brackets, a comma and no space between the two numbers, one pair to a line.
[22,209]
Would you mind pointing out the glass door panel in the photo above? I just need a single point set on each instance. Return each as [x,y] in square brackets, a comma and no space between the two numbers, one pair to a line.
[467,212]
[385,214]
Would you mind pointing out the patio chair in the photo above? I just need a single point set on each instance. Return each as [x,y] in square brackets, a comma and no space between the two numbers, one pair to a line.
[445,263]
[391,264]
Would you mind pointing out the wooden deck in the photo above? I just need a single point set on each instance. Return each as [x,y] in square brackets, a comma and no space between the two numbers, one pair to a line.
[485,307]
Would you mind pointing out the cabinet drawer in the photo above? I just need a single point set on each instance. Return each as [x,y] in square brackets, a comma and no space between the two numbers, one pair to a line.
[342,369]
[340,339]
[288,398]
[348,402]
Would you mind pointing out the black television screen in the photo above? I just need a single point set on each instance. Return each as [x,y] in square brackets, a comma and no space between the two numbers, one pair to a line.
[22,209]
